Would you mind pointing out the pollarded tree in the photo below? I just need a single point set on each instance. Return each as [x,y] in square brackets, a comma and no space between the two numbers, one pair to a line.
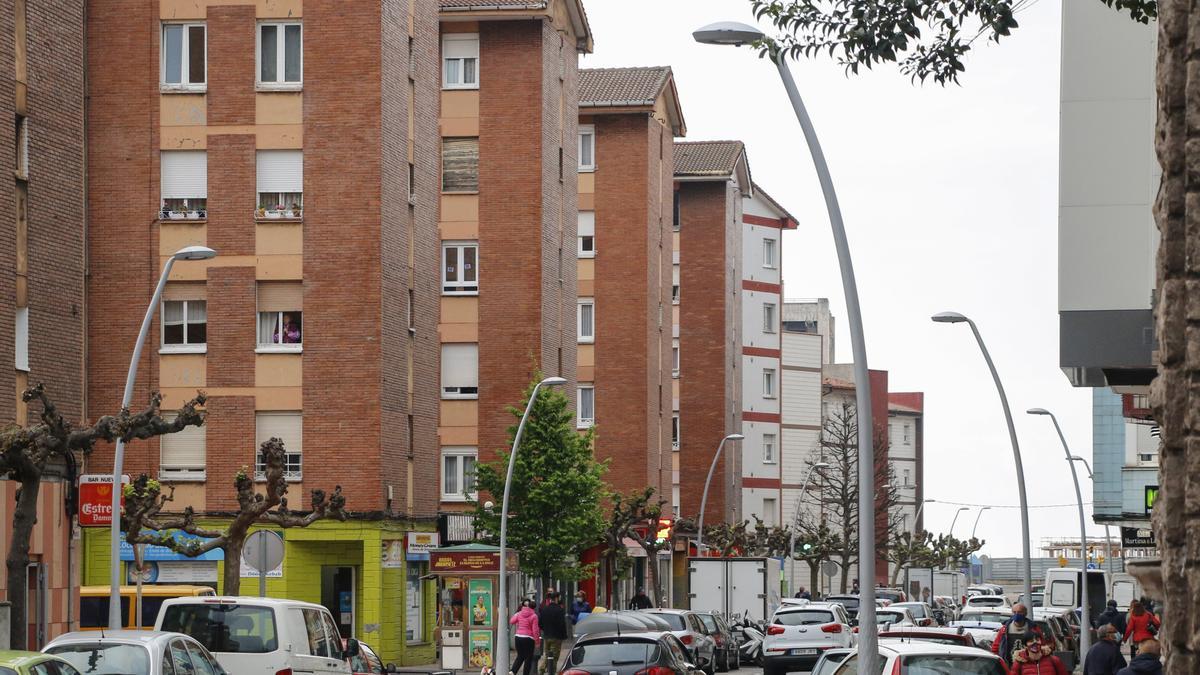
[555,498]
[145,522]
[27,452]
[634,517]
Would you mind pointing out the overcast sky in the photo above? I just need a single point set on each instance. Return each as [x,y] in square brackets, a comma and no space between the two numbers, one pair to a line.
[950,200]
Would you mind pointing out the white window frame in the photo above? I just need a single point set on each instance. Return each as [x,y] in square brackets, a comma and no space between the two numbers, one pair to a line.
[460,286]
[586,131]
[291,457]
[458,394]
[770,378]
[186,347]
[279,347]
[584,216]
[770,247]
[195,472]
[458,452]
[460,37]
[676,432]
[579,334]
[21,339]
[770,317]
[280,57]
[675,358]
[186,27]
[770,448]
[770,514]
[581,421]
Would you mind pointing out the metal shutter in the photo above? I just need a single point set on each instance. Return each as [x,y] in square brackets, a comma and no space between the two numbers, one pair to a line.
[184,174]
[460,365]
[286,426]
[280,297]
[280,171]
[183,450]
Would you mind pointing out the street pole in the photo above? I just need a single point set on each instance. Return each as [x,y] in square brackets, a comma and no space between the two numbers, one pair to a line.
[1107,534]
[796,521]
[1085,622]
[115,620]
[704,497]
[976,527]
[732,33]
[501,660]
[917,517]
[954,317]
[955,519]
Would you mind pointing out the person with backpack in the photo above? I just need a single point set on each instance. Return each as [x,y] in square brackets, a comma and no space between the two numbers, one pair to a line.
[1113,617]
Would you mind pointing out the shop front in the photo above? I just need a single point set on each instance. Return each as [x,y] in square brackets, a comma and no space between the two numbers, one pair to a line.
[468,581]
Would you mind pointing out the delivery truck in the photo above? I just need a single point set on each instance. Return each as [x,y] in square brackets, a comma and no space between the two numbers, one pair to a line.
[743,586]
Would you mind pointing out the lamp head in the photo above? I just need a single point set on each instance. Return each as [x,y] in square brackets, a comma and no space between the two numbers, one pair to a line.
[821,465]
[948,317]
[1076,458]
[727,33]
[735,437]
[194,253]
[985,508]
[964,508]
[1038,411]
[553,381]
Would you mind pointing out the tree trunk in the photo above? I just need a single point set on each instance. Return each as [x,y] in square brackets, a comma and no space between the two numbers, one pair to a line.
[896,575]
[233,566]
[813,578]
[652,571]
[24,519]
[1173,396]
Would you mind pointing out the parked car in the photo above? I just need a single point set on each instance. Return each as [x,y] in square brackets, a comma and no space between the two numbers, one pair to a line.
[366,662]
[1037,602]
[947,636]
[830,660]
[900,656]
[995,614]
[1063,647]
[687,626]
[33,663]
[984,632]
[261,635]
[134,652]
[797,636]
[892,594]
[986,602]
[894,616]
[921,612]
[627,654]
[93,604]
[728,655]
[848,602]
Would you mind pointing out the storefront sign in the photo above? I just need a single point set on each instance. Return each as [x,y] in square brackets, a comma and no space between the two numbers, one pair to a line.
[153,553]
[479,595]
[480,649]
[420,544]
[393,554]
[95,500]
[1137,537]
[177,572]
[469,561]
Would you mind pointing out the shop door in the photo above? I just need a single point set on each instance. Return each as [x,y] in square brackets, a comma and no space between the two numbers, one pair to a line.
[337,594]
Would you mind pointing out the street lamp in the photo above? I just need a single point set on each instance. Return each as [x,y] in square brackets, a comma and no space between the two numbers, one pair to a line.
[188,253]
[917,517]
[1107,534]
[1085,634]
[704,497]
[739,34]
[977,515]
[502,603]
[955,519]
[955,317]
[796,516]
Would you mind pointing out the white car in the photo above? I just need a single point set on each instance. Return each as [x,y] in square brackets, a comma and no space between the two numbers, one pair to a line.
[261,636]
[900,656]
[994,614]
[894,615]
[799,634]
[984,632]
[921,612]
[133,652]
[986,602]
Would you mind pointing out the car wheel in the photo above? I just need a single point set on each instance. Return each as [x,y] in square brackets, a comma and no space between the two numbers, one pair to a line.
[711,667]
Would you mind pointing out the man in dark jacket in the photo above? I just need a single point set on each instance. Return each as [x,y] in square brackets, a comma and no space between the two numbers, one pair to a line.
[1105,656]
[552,619]
[1146,662]
[1014,635]
[1113,617]
[641,600]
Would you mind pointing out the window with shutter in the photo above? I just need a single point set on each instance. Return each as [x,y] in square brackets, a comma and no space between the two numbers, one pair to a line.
[460,61]
[184,183]
[280,183]
[460,165]
[460,371]
[21,333]
[287,427]
[587,234]
[184,326]
[585,415]
[587,147]
[183,454]
[280,317]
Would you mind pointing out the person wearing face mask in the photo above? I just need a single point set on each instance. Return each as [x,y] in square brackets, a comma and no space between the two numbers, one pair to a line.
[1037,658]
[1105,656]
[1014,635]
[579,606]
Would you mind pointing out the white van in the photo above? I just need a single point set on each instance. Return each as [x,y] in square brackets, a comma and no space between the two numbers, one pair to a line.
[1124,589]
[1063,590]
[261,636]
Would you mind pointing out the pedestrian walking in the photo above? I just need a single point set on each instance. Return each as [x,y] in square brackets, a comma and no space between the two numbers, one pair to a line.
[527,635]
[1112,616]
[803,594]
[1014,635]
[641,600]
[1105,658]
[1142,626]
[552,620]
[1147,660]
[579,607]
[1037,658]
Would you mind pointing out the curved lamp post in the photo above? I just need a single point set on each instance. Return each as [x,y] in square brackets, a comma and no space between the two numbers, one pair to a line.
[796,517]
[955,317]
[115,620]
[1085,633]
[501,661]
[977,515]
[1107,535]
[955,519]
[917,517]
[739,34]
[704,497]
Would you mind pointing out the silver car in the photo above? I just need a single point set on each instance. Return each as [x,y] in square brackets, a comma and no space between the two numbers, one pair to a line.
[690,630]
[134,652]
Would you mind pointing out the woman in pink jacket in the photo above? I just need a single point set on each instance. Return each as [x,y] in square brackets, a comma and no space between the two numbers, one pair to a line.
[527,634]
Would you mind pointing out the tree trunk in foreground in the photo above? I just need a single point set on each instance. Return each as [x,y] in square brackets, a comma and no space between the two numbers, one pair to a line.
[17,562]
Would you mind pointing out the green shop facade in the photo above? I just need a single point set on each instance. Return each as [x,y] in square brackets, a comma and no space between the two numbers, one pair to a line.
[372,575]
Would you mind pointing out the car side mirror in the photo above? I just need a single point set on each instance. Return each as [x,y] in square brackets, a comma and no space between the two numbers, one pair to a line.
[352,648]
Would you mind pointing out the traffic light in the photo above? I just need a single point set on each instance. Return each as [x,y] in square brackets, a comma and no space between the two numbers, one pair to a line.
[806,548]
[664,531]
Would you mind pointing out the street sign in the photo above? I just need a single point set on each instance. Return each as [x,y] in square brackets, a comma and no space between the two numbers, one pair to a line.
[829,568]
[263,551]
[1137,537]
[95,499]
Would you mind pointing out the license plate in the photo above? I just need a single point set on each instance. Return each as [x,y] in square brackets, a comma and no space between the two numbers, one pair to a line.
[804,652]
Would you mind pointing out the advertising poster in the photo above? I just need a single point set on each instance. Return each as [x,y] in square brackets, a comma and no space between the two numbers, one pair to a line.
[480,642]
[479,595]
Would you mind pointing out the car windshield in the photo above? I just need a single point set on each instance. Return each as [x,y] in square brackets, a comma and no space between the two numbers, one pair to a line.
[614,653]
[96,658]
[987,601]
[884,616]
[994,617]
[221,627]
[890,595]
[929,637]
[709,622]
[850,665]
[7,671]
[916,610]
[676,620]
[848,603]
[808,617]
[945,664]
[828,664]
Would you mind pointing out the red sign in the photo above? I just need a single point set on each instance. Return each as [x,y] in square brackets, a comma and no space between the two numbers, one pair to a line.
[95,500]
[469,561]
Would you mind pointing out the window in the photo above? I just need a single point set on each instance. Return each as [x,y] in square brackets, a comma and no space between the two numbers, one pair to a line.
[675,210]
[769,253]
[907,477]
[22,146]
[184,325]
[769,512]
[674,432]
[769,318]
[287,427]
[460,61]
[907,439]
[460,165]
[280,55]
[675,284]
[586,413]
[587,320]
[460,268]
[412,183]
[21,332]
[280,317]
[587,147]
[587,234]
[280,183]
[182,455]
[675,357]
[184,183]
[768,383]
[460,370]
[183,56]
[768,448]
[458,474]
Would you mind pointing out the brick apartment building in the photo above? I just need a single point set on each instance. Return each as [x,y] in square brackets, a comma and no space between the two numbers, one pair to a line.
[299,140]
[42,305]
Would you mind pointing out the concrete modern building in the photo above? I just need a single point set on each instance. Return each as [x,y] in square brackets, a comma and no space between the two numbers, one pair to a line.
[812,316]
[800,434]
[906,452]
[42,300]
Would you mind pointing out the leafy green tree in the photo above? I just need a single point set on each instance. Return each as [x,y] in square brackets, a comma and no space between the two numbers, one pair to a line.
[557,488]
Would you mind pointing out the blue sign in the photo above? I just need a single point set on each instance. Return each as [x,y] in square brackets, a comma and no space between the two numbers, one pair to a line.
[162,553]
[1093,566]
